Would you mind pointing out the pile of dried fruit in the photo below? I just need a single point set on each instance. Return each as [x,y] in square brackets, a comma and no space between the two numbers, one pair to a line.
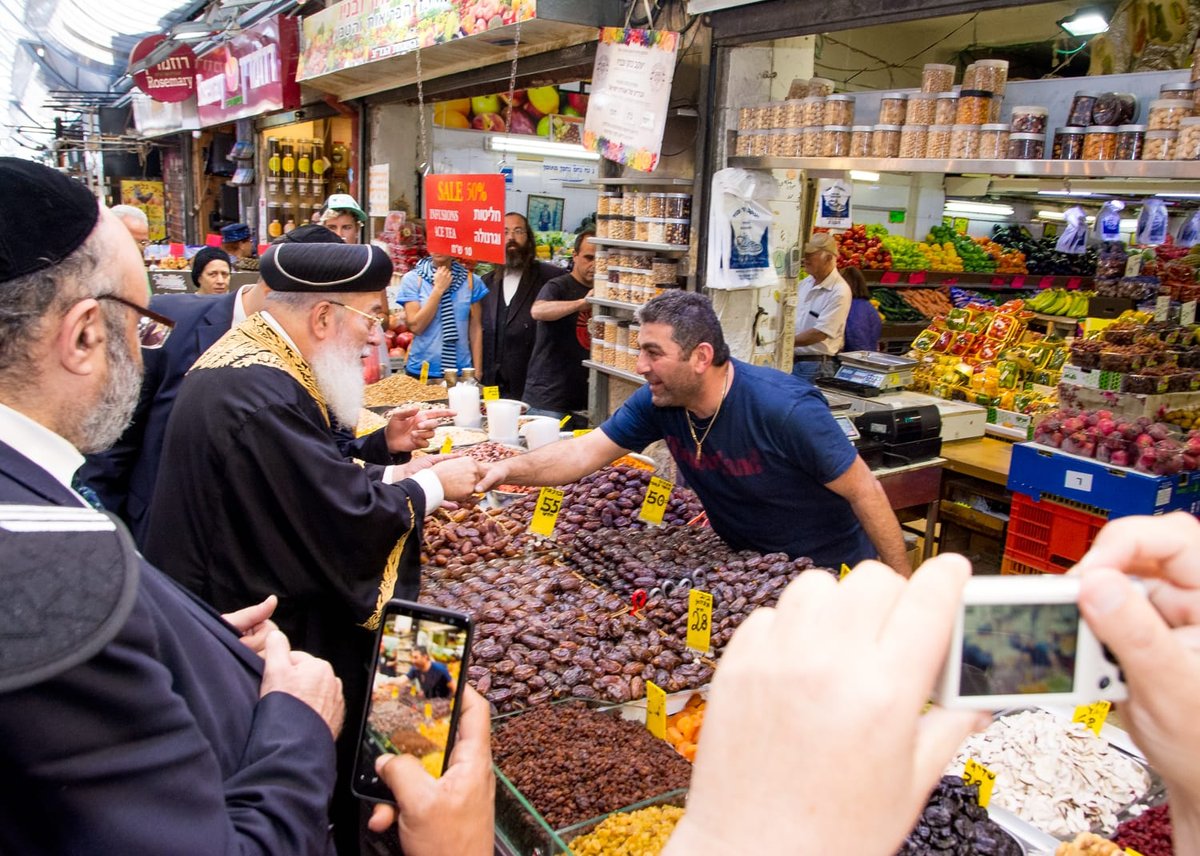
[1149,833]
[954,822]
[635,833]
[399,387]
[470,535]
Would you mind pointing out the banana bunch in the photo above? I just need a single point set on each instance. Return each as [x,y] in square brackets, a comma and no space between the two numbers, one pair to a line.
[1059,301]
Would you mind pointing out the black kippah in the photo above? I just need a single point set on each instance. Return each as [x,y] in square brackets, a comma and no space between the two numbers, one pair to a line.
[326,267]
[44,217]
[311,233]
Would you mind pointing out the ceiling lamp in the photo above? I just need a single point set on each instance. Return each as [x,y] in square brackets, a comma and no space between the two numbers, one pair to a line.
[864,175]
[994,209]
[1088,21]
[538,146]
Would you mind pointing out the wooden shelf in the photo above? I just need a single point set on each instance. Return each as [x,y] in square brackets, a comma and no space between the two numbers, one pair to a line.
[615,372]
[641,245]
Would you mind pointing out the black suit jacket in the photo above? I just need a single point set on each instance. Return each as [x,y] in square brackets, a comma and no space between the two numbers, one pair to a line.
[159,743]
[506,352]
[124,475]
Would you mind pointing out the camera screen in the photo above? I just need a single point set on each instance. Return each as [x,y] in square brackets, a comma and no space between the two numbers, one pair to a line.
[1018,649]
[412,698]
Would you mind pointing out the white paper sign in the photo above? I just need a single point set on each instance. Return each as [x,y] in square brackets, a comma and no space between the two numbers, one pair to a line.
[631,86]
[569,173]
[834,210]
[1078,481]
[377,190]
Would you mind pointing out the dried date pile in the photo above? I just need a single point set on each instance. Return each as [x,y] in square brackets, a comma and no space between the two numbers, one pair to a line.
[574,763]
[954,824]
[609,498]
[666,563]
[542,633]
[470,535]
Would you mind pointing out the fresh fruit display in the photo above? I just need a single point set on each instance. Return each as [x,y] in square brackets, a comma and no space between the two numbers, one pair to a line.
[1187,419]
[973,257]
[683,728]
[906,254]
[930,302]
[895,309]
[1059,301]
[1007,260]
[542,111]
[857,248]
[1142,443]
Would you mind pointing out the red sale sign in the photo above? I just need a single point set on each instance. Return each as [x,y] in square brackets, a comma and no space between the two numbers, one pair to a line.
[464,216]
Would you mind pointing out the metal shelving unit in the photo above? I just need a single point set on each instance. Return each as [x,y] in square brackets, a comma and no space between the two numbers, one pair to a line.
[614,304]
[615,372]
[659,181]
[1023,168]
[641,245]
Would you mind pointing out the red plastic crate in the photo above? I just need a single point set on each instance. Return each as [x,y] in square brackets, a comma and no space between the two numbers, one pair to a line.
[1049,536]
[1008,567]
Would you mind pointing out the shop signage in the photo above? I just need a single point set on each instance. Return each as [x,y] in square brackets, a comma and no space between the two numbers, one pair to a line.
[631,86]
[834,210]
[172,79]
[378,176]
[464,216]
[148,196]
[356,32]
[252,74]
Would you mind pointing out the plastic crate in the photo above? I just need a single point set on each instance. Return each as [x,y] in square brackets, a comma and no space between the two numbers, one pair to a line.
[1010,567]
[1049,536]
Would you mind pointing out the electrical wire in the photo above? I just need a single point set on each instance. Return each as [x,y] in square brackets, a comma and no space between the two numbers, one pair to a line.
[890,65]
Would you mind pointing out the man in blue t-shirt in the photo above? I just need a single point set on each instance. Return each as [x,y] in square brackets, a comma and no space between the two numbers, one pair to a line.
[434,678]
[760,448]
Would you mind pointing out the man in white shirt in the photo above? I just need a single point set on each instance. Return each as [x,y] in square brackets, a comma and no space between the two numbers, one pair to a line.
[821,309]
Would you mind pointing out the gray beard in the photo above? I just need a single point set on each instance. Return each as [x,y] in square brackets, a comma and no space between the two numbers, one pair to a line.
[339,374]
[104,424]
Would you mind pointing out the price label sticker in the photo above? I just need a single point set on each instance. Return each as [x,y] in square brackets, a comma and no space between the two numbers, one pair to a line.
[917,278]
[1073,283]
[1162,307]
[889,278]
[1018,282]
[562,423]
[545,513]
[655,503]
[845,571]
[975,773]
[579,432]
[447,445]
[1187,313]
[637,601]
[491,393]
[428,710]
[1092,715]
[1132,852]
[1046,282]
[656,710]
[425,372]
[699,634]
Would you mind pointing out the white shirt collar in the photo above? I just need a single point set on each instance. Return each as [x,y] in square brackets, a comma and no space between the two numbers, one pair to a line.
[239,306]
[830,281]
[35,441]
[278,329]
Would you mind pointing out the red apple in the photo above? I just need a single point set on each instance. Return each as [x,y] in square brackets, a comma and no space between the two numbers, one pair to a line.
[488,122]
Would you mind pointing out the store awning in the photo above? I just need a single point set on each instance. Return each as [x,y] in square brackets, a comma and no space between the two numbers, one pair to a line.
[354,56]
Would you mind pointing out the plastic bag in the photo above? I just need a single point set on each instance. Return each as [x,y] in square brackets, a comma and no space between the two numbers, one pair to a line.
[1108,222]
[1189,231]
[1073,239]
[1152,223]
[741,234]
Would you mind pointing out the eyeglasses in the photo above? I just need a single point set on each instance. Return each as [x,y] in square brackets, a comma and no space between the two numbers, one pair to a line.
[381,320]
[153,329]
[517,232]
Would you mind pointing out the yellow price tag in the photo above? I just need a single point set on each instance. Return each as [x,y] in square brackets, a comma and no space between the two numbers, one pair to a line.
[428,710]
[845,571]
[1093,715]
[656,710]
[1132,852]
[699,633]
[579,432]
[655,503]
[975,773]
[545,513]
[491,393]
[425,372]
[447,445]
[562,423]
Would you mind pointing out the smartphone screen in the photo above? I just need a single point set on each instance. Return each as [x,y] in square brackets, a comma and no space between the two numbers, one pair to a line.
[1019,649]
[420,668]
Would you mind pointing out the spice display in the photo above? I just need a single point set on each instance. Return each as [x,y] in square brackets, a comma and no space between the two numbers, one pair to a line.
[397,388]
[1029,120]
[964,141]
[1114,108]
[1149,833]
[937,141]
[912,141]
[974,107]
[835,141]
[954,822]
[1166,114]
[1159,145]
[885,141]
[993,142]
[946,109]
[574,763]
[1055,774]
[637,833]
[861,141]
[1187,145]
[1100,143]
[892,107]
[1027,146]
[921,109]
[1080,114]
[936,77]
[1130,140]
[839,110]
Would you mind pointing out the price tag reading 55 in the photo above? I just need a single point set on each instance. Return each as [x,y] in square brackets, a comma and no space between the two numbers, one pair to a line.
[545,514]
[699,634]
[655,503]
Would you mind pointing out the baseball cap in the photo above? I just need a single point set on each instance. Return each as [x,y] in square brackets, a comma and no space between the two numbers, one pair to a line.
[821,242]
[345,202]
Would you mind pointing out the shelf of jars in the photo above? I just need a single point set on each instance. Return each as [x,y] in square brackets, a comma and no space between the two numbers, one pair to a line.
[643,181]
[615,372]
[614,304]
[641,245]
[1156,169]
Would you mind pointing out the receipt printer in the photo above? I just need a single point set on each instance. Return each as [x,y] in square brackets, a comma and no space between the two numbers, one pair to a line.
[893,438]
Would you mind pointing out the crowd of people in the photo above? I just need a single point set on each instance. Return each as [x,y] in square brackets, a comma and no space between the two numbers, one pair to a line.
[194,697]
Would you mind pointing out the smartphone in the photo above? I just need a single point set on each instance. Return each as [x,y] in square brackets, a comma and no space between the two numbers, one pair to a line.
[1020,640]
[415,693]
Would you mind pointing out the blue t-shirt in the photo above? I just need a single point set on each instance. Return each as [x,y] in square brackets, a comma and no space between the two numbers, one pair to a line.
[764,465]
[435,683]
[427,345]
[863,326]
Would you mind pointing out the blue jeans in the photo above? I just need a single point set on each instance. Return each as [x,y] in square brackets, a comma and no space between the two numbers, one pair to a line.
[809,370]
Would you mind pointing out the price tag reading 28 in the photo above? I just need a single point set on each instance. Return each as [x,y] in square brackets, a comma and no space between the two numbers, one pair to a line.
[975,773]
[699,634]
[655,503]
[545,513]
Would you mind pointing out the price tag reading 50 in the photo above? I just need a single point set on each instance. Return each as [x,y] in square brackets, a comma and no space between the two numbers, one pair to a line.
[655,503]
[699,634]
[545,514]
[975,773]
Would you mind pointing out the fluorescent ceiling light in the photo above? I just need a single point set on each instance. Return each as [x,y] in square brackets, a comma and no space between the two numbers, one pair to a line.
[864,175]
[1059,216]
[957,207]
[1063,193]
[1178,195]
[1085,22]
[536,146]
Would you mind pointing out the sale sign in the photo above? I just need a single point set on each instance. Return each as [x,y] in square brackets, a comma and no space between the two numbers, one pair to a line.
[464,216]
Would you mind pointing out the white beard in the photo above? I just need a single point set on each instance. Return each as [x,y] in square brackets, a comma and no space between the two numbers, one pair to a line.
[339,373]
[104,424]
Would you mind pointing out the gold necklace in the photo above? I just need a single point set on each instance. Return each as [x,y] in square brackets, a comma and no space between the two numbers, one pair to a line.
[699,441]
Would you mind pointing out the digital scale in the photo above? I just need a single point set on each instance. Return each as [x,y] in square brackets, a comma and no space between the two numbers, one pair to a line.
[870,373]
